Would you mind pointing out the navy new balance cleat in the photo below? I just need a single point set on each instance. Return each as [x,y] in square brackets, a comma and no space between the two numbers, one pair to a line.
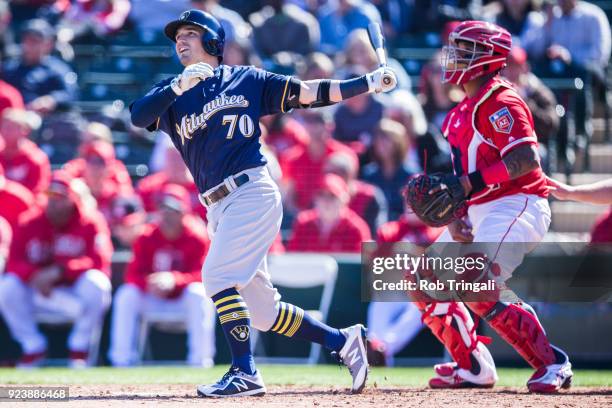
[234,383]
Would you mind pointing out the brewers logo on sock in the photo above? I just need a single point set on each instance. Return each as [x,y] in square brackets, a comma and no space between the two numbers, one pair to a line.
[240,333]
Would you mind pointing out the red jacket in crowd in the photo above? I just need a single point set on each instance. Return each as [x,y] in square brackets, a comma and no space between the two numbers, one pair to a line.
[9,97]
[6,234]
[407,230]
[15,199]
[306,172]
[183,257]
[602,231]
[150,188]
[83,244]
[346,236]
[290,134]
[30,167]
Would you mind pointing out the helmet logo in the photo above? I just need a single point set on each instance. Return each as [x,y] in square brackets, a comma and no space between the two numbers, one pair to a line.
[184,16]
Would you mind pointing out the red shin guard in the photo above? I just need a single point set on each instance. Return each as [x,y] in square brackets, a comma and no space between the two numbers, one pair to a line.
[520,328]
[452,324]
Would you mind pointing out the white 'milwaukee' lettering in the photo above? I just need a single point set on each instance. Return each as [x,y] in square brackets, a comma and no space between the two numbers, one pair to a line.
[190,123]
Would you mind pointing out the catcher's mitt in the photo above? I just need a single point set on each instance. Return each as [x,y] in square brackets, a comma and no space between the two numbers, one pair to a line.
[446,203]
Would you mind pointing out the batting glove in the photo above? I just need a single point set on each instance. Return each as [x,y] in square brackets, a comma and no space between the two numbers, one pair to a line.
[190,77]
[381,80]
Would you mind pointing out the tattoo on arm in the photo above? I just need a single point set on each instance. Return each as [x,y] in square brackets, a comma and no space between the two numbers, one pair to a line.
[521,161]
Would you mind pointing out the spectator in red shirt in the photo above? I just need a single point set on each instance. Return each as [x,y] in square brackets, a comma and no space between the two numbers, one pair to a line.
[331,226]
[174,172]
[59,263]
[6,234]
[10,97]
[98,158]
[23,161]
[165,275]
[116,172]
[366,200]
[15,199]
[303,166]
[284,132]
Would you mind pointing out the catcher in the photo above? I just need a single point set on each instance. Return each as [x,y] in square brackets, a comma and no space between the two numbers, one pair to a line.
[497,194]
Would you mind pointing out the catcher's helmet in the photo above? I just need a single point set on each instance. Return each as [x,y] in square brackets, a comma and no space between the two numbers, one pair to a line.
[487,53]
[213,38]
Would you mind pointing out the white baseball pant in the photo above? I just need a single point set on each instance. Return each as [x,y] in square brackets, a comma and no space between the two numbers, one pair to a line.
[131,303]
[85,301]
[242,227]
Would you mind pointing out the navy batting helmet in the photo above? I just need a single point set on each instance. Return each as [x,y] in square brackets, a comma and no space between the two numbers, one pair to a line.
[213,38]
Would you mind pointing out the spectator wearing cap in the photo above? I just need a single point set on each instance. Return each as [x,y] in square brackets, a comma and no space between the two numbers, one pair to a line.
[23,161]
[331,226]
[366,200]
[236,29]
[98,158]
[337,19]
[540,99]
[94,18]
[303,166]
[173,172]
[165,275]
[46,82]
[355,120]
[388,171]
[116,175]
[15,200]
[59,263]
[284,27]
[6,235]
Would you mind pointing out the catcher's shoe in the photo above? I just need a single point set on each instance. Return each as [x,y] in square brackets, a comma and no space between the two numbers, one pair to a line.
[552,378]
[354,355]
[234,383]
[32,360]
[449,375]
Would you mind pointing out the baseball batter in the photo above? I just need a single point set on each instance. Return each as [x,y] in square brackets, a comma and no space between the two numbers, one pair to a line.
[497,175]
[211,112]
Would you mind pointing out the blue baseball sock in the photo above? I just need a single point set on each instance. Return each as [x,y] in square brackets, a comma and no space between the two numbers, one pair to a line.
[293,322]
[236,323]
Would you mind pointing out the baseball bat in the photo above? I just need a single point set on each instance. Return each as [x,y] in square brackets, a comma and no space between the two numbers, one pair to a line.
[378,43]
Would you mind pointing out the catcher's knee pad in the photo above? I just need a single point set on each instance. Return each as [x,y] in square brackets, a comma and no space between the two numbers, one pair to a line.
[517,324]
[452,324]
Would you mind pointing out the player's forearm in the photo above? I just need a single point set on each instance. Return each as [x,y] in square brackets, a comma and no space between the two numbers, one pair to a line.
[515,164]
[327,92]
[596,193]
[147,109]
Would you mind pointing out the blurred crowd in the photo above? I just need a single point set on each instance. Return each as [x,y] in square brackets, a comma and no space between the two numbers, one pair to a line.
[341,170]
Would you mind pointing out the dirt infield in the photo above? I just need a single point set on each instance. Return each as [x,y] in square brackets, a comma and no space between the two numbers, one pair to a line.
[294,397]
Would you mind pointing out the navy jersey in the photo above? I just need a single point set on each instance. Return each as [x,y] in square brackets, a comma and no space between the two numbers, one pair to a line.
[215,125]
